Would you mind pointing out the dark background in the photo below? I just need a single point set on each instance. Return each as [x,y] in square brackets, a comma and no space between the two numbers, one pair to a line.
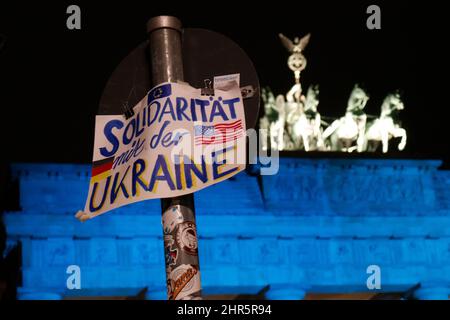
[51,78]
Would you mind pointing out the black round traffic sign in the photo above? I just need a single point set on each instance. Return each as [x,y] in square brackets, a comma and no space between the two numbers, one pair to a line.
[206,54]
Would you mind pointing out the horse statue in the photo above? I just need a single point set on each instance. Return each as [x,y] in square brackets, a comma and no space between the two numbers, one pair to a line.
[273,121]
[351,128]
[384,127]
[264,122]
[307,125]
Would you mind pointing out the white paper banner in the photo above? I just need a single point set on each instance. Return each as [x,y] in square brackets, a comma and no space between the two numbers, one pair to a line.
[177,142]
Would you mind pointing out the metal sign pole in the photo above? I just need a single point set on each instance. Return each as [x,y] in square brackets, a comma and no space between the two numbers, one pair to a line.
[178,214]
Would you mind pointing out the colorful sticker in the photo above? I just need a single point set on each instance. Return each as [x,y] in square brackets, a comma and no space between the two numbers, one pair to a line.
[186,237]
[183,282]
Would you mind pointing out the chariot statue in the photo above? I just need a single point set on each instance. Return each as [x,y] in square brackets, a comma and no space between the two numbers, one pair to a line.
[292,121]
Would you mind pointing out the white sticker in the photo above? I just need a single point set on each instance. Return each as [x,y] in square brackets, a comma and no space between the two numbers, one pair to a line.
[183,281]
[224,82]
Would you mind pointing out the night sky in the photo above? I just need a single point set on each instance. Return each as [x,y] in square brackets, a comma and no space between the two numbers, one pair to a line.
[52,78]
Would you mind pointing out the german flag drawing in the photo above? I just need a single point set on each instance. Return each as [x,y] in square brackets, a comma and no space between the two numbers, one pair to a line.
[101,169]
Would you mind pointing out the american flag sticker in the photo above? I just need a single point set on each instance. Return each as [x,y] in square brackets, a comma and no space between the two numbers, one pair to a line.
[219,133]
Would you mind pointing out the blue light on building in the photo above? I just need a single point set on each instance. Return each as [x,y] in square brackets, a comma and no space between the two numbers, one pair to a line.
[314,227]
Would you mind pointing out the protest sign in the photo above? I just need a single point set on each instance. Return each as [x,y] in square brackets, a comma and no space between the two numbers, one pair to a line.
[177,142]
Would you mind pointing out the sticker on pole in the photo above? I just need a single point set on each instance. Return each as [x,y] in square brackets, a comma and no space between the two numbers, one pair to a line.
[178,141]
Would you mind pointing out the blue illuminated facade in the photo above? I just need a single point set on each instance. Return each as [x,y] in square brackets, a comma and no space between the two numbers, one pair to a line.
[314,227]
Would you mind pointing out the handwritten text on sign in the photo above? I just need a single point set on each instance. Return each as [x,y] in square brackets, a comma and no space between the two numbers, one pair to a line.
[177,142]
